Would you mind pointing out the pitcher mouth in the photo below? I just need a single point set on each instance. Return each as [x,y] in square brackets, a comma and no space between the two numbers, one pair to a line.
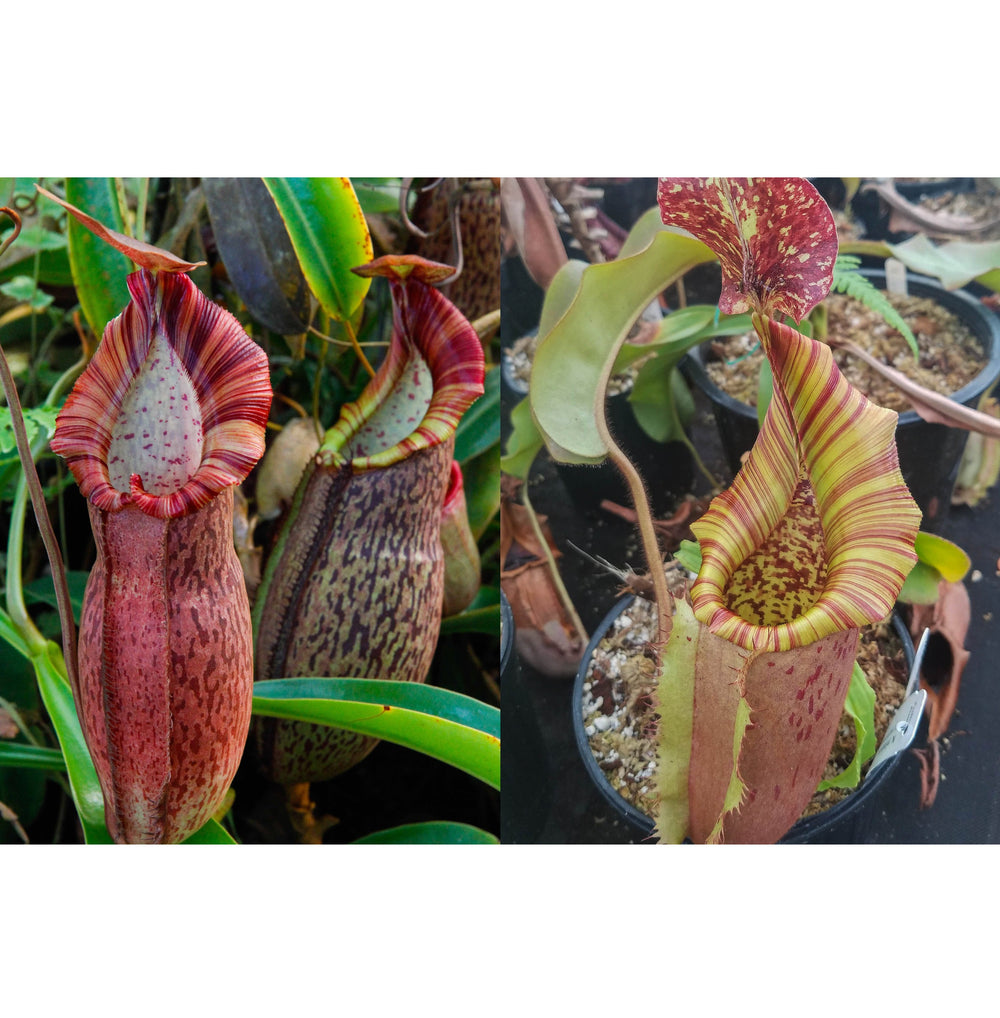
[172,407]
[432,373]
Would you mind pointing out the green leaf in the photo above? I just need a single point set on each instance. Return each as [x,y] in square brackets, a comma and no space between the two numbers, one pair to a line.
[921,585]
[578,355]
[24,291]
[38,238]
[678,332]
[37,421]
[482,616]
[479,427]
[42,591]
[330,236]
[860,705]
[524,443]
[10,635]
[659,393]
[660,398]
[39,758]
[448,726]
[85,787]
[991,280]
[945,556]
[562,289]
[937,559]
[211,833]
[99,270]
[433,832]
[954,263]
[653,400]
[17,677]
[37,249]
[482,489]
[689,556]
[378,195]
[646,227]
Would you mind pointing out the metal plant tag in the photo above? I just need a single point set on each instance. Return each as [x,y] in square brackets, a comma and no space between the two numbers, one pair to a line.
[903,730]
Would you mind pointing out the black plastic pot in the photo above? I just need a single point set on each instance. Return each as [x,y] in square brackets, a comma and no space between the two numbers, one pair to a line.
[918,190]
[666,467]
[848,822]
[929,454]
[873,211]
[514,388]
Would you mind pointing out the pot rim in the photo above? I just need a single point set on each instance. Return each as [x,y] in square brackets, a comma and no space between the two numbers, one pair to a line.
[801,831]
[984,323]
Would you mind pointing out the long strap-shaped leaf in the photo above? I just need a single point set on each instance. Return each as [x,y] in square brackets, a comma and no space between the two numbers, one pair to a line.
[99,271]
[257,252]
[86,789]
[434,832]
[448,726]
[37,758]
[931,406]
[328,231]
[954,263]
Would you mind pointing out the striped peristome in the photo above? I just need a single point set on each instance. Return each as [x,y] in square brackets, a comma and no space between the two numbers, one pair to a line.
[430,338]
[214,360]
[868,522]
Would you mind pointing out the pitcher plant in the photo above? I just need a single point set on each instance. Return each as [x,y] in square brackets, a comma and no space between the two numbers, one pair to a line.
[812,540]
[167,418]
[354,584]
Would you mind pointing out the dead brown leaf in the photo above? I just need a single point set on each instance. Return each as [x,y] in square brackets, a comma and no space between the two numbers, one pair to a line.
[931,406]
[906,217]
[547,638]
[528,219]
[8,728]
[944,662]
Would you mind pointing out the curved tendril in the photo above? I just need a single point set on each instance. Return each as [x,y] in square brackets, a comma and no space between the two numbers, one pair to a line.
[16,220]
[404,196]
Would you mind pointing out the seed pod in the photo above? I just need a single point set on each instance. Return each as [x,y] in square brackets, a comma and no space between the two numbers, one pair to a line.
[354,584]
